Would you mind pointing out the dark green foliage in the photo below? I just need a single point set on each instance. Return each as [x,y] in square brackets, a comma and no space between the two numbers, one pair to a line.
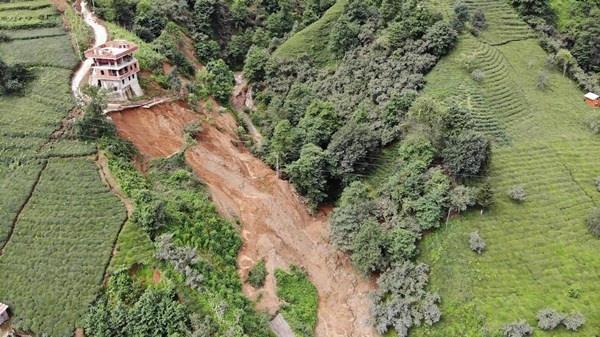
[155,313]
[169,44]
[402,301]
[92,125]
[309,173]
[368,247]
[462,15]
[319,123]
[258,274]
[199,245]
[284,144]
[217,80]
[343,36]
[441,38]
[534,8]
[301,300]
[352,211]
[466,154]
[349,148]
[478,22]
[256,61]
[149,20]
[485,195]
[593,222]
[149,212]
[12,78]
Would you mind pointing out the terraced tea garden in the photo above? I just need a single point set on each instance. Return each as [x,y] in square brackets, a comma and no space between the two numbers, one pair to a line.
[539,253]
[58,221]
[54,262]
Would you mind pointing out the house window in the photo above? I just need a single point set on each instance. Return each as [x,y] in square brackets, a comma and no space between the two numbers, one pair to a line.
[123,81]
[101,72]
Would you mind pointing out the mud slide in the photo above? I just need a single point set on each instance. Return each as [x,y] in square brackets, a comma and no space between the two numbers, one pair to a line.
[276,224]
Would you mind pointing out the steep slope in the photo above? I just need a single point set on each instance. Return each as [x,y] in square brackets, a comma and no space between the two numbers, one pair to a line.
[539,253]
[275,223]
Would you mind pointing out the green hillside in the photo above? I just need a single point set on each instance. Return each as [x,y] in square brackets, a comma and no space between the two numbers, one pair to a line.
[314,39]
[539,253]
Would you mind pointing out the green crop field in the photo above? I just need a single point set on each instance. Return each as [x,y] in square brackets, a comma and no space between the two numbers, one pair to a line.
[539,253]
[58,221]
[53,265]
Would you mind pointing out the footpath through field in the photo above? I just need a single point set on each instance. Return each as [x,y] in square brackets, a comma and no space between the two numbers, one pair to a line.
[539,253]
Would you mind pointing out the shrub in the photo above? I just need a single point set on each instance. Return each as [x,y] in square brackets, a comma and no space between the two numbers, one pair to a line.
[517,194]
[479,22]
[462,197]
[593,123]
[476,242]
[542,80]
[593,222]
[485,195]
[466,154]
[517,329]
[477,75]
[574,320]
[549,319]
[258,274]
[441,38]
[217,80]
[193,129]
[598,183]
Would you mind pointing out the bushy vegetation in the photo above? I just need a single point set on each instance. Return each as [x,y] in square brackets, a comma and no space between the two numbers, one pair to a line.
[12,78]
[517,329]
[402,301]
[217,29]
[198,246]
[131,310]
[258,274]
[517,194]
[593,222]
[476,242]
[300,300]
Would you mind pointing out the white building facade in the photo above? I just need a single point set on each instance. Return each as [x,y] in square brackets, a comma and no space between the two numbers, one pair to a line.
[116,69]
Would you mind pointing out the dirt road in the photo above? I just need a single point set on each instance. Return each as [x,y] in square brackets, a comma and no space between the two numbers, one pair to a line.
[100,37]
[276,224]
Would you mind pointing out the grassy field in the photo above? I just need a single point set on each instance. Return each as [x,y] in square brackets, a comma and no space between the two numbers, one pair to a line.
[539,253]
[314,39]
[53,265]
[61,220]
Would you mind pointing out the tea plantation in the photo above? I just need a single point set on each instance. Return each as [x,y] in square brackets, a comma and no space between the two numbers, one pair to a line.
[58,221]
[539,253]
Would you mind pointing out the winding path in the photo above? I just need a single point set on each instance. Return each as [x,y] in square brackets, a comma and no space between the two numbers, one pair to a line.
[100,37]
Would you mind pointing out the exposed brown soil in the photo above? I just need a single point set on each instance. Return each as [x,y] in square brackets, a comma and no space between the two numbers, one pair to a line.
[155,276]
[276,223]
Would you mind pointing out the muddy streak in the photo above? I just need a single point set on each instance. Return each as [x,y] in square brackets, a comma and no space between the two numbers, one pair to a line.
[276,224]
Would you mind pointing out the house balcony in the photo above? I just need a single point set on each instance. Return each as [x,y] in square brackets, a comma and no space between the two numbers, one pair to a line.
[116,65]
[113,74]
